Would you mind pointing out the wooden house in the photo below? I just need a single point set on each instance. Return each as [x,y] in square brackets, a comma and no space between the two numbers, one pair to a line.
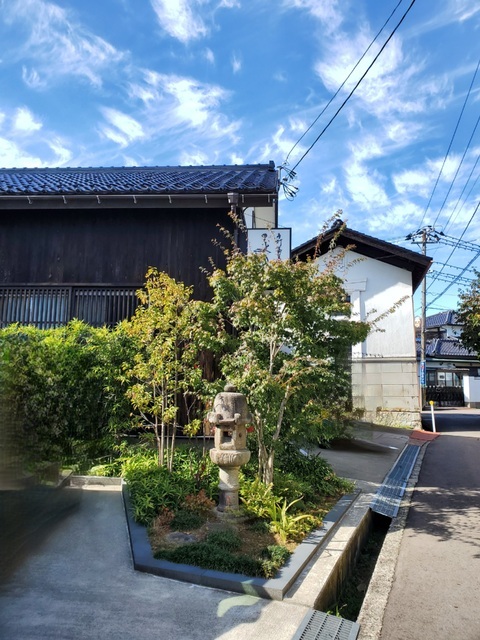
[76,243]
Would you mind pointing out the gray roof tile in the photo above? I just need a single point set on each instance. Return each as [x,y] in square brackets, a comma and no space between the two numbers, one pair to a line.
[139,180]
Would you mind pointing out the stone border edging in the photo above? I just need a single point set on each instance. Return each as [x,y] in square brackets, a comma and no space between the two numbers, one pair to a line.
[272,588]
[371,614]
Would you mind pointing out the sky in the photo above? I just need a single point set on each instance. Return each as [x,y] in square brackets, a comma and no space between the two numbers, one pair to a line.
[190,82]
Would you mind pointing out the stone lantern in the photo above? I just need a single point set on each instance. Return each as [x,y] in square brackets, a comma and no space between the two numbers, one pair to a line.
[230,416]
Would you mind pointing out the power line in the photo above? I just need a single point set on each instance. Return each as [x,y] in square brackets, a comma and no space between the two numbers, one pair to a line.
[468,194]
[466,267]
[342,85]
[450,277]
[456,172]
[291,173]
[450,144]
[470,246]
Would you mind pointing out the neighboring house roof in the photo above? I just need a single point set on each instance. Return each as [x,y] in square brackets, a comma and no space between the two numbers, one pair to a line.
[255,184]
[441,319]
[416,263]
[443,348]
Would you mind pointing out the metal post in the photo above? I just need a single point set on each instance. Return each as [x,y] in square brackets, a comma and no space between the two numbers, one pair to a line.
[433,416]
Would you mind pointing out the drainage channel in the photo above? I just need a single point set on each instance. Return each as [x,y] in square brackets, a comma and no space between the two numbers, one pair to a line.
[350,598]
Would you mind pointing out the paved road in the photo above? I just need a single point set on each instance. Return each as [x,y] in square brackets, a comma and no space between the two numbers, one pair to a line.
[436,589]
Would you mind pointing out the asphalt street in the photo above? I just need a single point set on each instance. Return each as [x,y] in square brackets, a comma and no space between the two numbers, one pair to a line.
[436,586]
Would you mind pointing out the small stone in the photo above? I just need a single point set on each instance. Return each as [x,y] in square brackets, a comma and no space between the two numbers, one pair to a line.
[181,538]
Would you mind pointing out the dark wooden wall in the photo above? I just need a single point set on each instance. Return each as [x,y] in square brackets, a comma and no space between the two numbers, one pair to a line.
[108,246]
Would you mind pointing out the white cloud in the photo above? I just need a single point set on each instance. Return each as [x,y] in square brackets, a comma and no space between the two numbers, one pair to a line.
[402,215]
[57,46]
[2,118]
[446,14]
[123,128]
[179,20]
[62,154]
[367,148]
[414,182]
[32,78]
[326,11]
[209,55]
[236,159]
[395,86]
[364,187]
[297,125]
[194,157]
[236,64]
[448,167]
[330,187]
[179,101]
[280,76]
[421,180]
[24,122]
[11,155]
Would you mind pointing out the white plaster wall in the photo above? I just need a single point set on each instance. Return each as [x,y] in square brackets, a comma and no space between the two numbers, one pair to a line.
[384,367]
[374,288]
[471,390]
[260,217]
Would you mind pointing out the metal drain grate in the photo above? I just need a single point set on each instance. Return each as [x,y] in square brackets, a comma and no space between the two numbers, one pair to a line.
[321,626]
[389,496]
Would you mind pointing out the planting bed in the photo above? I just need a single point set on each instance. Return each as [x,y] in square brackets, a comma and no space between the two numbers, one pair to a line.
[273,588]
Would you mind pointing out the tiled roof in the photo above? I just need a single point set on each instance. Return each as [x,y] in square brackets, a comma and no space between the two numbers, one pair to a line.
[442,348]
[139,180]
[369,246]
[441,319]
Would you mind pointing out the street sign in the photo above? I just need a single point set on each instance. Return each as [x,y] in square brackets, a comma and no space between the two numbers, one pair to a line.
[422,373]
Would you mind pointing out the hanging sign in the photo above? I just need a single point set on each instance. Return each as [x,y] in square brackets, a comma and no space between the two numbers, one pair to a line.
[274,243]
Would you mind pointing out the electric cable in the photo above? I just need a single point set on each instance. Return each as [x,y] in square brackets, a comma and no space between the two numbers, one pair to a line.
[459,243]
[450,221]
[464,268]
[355,87]
[450,144]
[342,85]
[456,172]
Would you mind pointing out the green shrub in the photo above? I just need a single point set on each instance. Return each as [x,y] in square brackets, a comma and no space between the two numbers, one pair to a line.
[256,497]
[185,520]
[152,487]
[199,503]
[62,386]
[286,525]
[315,472]
[274,557]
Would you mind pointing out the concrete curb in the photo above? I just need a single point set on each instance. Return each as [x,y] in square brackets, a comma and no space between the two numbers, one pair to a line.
[371,614]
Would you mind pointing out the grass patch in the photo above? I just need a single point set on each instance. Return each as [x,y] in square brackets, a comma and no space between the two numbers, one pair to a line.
[232,548]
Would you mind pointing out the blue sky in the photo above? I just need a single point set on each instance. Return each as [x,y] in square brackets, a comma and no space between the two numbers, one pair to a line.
[172,82]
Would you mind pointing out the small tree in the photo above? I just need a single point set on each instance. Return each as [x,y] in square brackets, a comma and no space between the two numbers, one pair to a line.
[165,370]
[286,348]
[469,315]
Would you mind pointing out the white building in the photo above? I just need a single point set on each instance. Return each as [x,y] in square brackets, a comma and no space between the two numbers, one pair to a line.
[380,279]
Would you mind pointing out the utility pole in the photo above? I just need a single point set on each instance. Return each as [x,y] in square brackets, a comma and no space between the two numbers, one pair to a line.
[424,236]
